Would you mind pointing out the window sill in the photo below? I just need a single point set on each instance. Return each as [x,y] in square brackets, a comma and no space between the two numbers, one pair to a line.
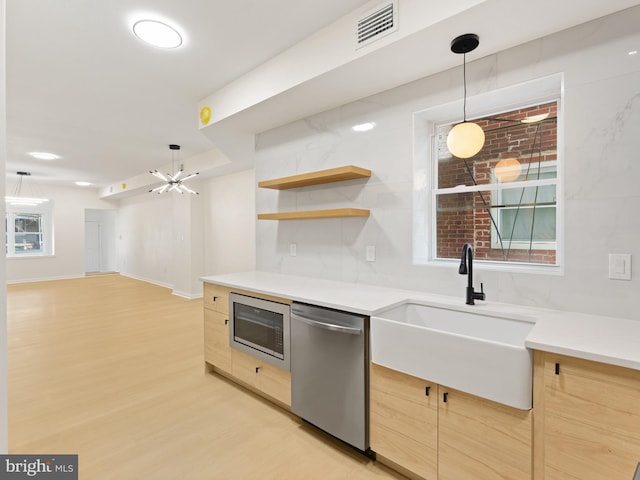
[21,257]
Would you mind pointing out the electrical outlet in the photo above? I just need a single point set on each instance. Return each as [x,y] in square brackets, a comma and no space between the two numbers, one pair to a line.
[619,266]
[293,250]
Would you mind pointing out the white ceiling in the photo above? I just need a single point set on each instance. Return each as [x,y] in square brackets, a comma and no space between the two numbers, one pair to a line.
[81,85]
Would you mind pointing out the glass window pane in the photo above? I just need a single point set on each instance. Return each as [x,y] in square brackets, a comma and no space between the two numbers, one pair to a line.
[512,150]
[27,222]
[469,217]
[528,224]
[511,197]
[516,224]
[454,223]
[28,243]
[27,233]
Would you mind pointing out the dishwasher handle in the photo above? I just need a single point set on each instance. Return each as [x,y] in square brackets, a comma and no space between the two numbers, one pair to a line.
[327,326]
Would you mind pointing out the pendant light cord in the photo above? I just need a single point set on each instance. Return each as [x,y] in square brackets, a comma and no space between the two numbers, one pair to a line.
[18,189]
[464,82]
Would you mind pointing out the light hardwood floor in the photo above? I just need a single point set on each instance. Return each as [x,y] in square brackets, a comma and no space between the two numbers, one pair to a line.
[112,369]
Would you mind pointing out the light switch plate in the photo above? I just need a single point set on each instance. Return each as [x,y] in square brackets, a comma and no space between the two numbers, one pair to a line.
[371,253]
[619,266]
[293,250]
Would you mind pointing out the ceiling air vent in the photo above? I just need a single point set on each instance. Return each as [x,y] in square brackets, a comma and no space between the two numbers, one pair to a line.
[377,23]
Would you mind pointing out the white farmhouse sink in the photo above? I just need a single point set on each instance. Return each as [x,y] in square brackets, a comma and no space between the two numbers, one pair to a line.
[473,350]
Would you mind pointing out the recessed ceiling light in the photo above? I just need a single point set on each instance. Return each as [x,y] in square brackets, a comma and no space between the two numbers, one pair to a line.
[157,33]
[363,127]
[83,184]
[633,52]
[44,155]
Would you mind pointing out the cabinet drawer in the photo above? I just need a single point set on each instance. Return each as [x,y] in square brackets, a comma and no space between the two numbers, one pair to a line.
[216,297]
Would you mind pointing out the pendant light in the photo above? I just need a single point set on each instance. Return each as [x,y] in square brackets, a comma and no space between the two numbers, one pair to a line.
[18,199]
[466,138]
[173,183]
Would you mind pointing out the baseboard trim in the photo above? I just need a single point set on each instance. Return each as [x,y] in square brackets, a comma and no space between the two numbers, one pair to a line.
[45,279]
[188,296]
[148,280]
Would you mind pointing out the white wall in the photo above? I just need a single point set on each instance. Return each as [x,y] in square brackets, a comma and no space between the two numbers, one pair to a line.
[173,239]
[159,240]
[4,423]
[189,250]
[69,205]
[230,225]
[602,121]
[145,238]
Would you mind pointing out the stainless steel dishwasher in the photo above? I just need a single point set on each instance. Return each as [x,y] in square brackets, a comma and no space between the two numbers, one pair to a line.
[330,373]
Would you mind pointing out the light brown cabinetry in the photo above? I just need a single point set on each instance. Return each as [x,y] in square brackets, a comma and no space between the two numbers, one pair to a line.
[587,419]
[216,339]
[216,327]
[219,356]
[481,439]
[216,297]
[447,434]
[404,420]
[261,376]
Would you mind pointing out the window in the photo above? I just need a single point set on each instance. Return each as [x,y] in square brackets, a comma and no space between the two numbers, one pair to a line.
[503,201]
[29,227]
[526,218]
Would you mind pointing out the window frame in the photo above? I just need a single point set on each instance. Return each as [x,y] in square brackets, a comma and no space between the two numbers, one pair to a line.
[45,210]
[491,103]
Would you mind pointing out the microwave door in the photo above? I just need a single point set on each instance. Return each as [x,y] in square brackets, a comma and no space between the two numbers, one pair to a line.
[259,328]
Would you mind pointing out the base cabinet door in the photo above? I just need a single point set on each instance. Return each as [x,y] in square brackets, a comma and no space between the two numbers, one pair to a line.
[275,382]
[482,440]
[590,421]
[245,368]
[404,420]
[217,351]
[436,432]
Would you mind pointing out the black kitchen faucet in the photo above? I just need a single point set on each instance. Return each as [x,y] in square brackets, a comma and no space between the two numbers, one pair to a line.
[466,268]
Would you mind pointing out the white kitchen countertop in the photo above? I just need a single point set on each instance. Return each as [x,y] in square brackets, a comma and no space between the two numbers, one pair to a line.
[610,340]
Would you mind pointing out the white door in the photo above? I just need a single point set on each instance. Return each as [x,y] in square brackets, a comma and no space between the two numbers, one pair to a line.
[91,247]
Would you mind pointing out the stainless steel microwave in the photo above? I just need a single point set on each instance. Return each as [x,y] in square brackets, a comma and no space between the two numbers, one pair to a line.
[260,328]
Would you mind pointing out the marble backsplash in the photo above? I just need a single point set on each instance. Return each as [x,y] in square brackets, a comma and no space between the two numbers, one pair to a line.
[601,101]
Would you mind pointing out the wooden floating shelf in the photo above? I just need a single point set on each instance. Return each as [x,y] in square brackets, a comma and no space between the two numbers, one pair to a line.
[349,172]
[332,213]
